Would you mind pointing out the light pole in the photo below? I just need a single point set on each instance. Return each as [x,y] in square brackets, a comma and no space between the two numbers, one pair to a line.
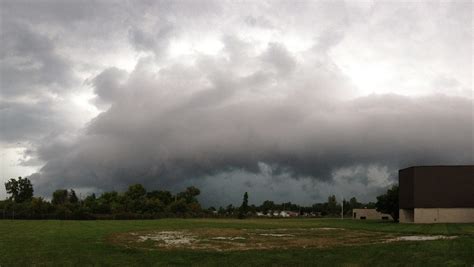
[342,208]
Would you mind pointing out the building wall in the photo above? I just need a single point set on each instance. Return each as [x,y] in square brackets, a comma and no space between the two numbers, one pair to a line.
[407,216]
[443,215]
[432,194]
[369,214]
[406,184]
[444,187]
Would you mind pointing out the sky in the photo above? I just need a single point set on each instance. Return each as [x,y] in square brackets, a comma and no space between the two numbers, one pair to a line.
[287,100]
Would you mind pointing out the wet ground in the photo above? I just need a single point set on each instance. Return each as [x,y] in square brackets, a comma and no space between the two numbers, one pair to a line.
[250,239]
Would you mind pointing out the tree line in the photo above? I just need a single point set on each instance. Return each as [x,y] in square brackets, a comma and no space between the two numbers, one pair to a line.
[138,203]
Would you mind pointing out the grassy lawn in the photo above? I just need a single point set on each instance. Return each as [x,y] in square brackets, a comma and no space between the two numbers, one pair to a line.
[86,243]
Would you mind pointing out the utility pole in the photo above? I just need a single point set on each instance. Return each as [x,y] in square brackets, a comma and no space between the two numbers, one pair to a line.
[342,209]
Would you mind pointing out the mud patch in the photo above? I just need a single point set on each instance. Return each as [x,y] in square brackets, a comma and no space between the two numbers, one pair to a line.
[228,238]
[168,237]
[326,229]
[277,235]
[420,238]
[247,239]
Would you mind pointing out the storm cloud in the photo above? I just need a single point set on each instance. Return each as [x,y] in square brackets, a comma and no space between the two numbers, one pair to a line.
[233,99]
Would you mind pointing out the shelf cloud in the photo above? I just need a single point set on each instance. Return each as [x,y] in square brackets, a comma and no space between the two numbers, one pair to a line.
[288,102]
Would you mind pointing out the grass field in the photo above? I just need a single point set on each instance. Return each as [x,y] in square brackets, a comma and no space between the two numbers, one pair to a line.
[287,242]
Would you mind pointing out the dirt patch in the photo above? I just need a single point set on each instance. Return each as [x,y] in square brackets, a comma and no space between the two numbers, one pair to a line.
[228,238]
[247,239]
[170,238]
[420,238]
[277,235]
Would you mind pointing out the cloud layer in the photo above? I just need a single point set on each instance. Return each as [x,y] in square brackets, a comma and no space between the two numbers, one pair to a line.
[236,98]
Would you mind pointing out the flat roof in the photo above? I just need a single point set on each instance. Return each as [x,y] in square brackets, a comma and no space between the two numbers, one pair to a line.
[436,166]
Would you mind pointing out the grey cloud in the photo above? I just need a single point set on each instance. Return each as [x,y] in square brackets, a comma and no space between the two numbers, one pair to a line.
[34,78]
[241,119]
[31,121]
[361,181]
[280,59]
[57,11]
[156,41]
[108,85]
[259,21]
[163,132]
[30,64]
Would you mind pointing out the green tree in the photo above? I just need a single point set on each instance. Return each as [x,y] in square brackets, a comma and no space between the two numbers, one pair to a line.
[136,191]
[244,207]
[60,197]
[21,190]
[267,205]
[72,197]
[388,203]
[178,206]
[190,194]
[40,208]
[221,211]
[332,208]
[354,204]
[245,202]
[164,196]
[91,203]
[153,206]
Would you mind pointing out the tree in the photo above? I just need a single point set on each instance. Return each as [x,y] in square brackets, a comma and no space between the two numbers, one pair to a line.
[221,211]
[178,206]
[90,202]
[164,196]
[352,204]
[244,207]
[190,194]
[332,206]
[267,205]
[136,191]
[245,203]
[73,197]
[60,197]
[153,206]
[388,203]
[39,207]
[21,190]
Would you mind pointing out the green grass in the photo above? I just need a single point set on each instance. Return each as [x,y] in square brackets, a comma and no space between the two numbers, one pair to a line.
[73,243]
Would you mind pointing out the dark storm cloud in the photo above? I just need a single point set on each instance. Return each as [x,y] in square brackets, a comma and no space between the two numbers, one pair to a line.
[232,97]
[165,129]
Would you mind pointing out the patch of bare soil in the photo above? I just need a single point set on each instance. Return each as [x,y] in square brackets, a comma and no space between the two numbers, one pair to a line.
[420,238]
[247,239]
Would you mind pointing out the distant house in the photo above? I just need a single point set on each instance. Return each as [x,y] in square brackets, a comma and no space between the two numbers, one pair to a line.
[284,214]
[436,194]
[293,213]
[260,214]
[369,214]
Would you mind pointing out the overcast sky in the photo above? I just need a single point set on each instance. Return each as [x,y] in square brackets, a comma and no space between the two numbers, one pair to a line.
[288,100]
